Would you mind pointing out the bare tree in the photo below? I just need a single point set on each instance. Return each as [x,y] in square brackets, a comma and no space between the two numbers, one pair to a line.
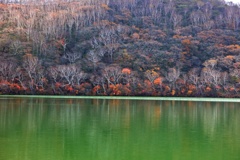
[80,77]
[211,76]
[208,25]
[7,70]
[235,73]
[224,78]
[176,20]
[112,74]
[172,76]
[94,57]
[31,64]
[19,76]
[109,38]
[216,76]
[38,42]
[230,17]
[53,73]
[72,57]
[67,72]
[16,47]
[195,18]
[193,76]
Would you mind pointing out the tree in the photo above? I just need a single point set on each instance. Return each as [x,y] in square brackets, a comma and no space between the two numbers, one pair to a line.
[7,70]
[31,64]
[126,77]
[72,57]
[195,18]
[172,75]
[151,76]
[176,20]
[67,73]
[112,75]
[210,63]
[108,36]
[95,56]
[100,81]
[80,77]
[193,76]
[16,47]
[211,76]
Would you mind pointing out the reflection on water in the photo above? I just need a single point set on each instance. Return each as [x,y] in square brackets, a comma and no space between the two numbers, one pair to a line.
[63,129]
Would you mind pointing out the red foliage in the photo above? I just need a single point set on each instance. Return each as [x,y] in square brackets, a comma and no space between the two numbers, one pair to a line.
[57,84]
[69,88]
[4,83]
[96,89]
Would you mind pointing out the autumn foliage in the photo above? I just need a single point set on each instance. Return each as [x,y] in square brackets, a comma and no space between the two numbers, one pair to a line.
[120,48]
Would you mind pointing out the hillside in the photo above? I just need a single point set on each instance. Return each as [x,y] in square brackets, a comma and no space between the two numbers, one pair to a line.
[120,47]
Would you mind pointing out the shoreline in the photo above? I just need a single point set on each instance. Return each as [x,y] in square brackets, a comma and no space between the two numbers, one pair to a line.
[196,99]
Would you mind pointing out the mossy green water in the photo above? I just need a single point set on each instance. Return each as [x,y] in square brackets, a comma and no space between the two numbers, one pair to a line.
[101,129]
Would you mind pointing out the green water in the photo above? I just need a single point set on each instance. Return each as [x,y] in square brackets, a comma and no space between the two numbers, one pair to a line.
[98,129]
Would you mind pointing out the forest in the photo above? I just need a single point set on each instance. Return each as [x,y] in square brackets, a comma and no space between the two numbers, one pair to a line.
[185,48]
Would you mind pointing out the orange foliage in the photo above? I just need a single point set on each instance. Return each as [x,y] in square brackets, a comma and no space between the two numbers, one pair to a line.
[231,89]
[119,89]
[126,71]
[167,88]
[208,89]
[105,7]
[147,83]
[186,42]
[233,47]
[191,87]
[177,36]
[183,90]
[189,92]
[95,89]
[114,90]
[230,57]
[173,92]
[158,81]
[135,36]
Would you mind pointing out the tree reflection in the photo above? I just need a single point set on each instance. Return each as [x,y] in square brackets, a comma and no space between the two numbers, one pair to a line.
[90,128]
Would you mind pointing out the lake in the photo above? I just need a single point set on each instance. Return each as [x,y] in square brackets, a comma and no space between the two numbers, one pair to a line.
[115,129]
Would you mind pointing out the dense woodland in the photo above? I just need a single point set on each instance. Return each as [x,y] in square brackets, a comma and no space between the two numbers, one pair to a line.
[120,47]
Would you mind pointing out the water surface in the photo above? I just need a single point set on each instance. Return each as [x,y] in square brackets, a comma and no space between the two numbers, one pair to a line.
[98,129]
